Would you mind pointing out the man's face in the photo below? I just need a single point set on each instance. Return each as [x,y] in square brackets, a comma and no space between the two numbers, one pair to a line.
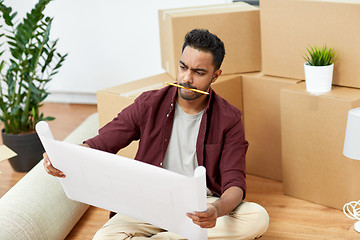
[196,70]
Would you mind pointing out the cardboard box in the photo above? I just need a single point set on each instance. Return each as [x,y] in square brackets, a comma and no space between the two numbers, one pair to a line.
[6,153]
[112,100]
[230,88]
[236,24]
[289,26]
[261,96]
[313,133]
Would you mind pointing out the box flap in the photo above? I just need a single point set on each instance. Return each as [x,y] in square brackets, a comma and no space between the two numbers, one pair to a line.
[6,153]
[210,9]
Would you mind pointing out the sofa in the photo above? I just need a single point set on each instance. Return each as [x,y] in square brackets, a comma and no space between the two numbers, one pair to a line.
[37,207]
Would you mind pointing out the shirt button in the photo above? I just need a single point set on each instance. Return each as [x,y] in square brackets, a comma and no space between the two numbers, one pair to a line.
[161,164]
[165,140]
[167,115]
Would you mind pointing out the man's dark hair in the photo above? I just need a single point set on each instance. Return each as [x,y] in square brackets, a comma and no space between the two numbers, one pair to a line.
[203,40]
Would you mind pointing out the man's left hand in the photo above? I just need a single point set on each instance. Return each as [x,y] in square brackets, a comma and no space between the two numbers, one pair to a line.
[205,219]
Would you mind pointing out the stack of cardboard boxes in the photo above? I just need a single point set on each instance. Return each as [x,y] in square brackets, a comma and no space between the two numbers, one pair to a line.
[294,136]
[313,127]
[237,25]
[261,97]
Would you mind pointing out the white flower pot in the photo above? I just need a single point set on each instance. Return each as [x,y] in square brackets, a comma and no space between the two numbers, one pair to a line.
[318,79]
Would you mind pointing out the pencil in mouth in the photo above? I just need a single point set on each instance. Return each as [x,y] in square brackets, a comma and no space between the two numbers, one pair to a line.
[191,89]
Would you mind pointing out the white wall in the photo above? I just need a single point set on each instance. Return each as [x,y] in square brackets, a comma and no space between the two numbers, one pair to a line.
[109,42]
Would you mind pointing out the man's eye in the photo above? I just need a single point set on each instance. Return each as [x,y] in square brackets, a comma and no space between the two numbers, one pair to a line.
[182,67]
[200,73]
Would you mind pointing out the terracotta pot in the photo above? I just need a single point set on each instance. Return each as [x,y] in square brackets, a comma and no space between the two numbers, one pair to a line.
[28,148]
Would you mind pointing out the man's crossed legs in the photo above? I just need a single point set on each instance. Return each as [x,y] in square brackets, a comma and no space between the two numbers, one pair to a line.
[247,221]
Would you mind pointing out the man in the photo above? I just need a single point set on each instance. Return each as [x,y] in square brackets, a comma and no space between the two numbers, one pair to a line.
[180,129]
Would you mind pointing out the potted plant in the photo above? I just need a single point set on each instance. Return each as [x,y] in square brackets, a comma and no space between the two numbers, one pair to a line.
[29,60]
[319,68]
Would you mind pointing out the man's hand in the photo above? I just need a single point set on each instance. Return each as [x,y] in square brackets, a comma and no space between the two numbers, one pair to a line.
[229,200]
[50,168]
[205,219]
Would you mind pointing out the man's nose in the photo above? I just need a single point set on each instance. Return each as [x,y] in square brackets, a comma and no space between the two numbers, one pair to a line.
[187,77]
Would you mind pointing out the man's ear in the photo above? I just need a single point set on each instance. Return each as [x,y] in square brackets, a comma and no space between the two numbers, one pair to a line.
[216,74]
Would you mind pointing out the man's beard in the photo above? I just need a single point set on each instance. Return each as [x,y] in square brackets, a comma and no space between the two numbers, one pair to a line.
[190,95]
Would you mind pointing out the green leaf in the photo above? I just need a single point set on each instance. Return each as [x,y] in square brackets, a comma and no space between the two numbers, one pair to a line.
[14,44]
[319,55]
[15,110]
[8,17]
[34,89]
[33,112]
[48,60]
[49,119]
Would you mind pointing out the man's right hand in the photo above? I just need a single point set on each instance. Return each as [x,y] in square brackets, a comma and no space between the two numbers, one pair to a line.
[50,168]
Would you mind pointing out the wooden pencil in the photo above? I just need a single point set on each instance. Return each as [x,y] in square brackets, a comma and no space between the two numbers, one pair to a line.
[191,89]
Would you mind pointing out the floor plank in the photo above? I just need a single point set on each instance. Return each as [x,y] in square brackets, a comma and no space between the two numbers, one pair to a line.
[90,222]
[290,218]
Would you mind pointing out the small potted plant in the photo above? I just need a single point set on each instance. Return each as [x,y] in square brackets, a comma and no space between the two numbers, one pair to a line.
[319,68]
[28,61]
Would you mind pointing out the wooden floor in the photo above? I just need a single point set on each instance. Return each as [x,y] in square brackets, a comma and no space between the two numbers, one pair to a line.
[290,218]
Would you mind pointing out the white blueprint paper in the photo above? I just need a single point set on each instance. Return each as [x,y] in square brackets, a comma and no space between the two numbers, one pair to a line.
[151,194]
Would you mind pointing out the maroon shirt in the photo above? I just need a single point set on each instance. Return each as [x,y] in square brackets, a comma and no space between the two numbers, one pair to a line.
[220,147]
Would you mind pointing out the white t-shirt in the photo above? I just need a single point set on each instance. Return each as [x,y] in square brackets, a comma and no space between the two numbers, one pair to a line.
[180,155]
